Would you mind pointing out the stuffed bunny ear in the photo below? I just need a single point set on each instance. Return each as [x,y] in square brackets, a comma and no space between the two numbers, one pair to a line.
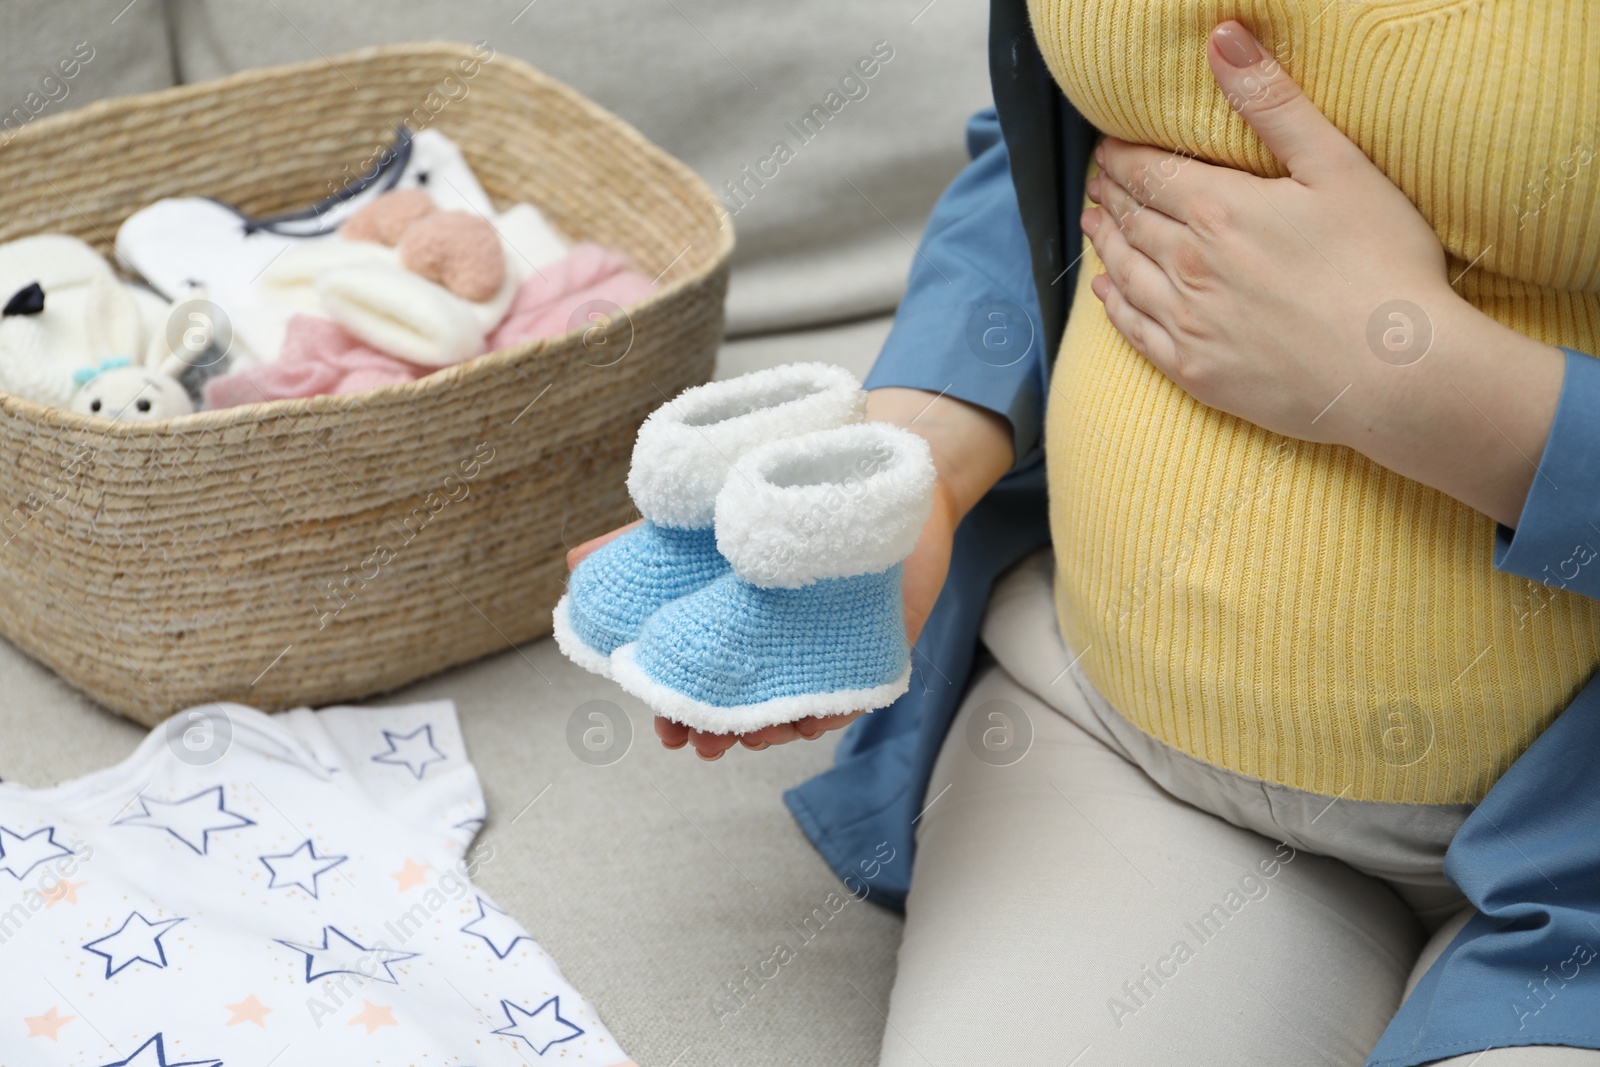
[159,351]
[178,343]
[172,366]
[111,319]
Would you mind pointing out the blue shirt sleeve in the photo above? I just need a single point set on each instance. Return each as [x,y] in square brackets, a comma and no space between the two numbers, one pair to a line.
[1557,539]
[968,326]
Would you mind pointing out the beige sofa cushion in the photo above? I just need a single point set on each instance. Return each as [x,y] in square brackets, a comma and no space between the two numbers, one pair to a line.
[65,53]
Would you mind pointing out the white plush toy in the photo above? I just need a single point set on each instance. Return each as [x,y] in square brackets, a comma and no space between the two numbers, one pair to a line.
[135,394]
[121,389]
[66,312]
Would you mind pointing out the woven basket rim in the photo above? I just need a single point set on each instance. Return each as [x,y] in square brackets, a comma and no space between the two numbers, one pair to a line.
[64,419]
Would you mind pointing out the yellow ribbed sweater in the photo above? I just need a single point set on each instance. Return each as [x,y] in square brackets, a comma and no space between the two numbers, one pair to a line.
[1293,611]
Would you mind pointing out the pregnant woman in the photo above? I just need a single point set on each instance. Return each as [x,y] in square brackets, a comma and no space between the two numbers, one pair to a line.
[1269,764]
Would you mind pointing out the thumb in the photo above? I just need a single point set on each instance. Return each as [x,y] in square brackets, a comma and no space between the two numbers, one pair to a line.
[1264,95]
[577,555]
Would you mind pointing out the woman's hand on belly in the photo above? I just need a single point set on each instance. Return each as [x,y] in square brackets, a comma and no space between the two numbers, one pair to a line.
[1307,304]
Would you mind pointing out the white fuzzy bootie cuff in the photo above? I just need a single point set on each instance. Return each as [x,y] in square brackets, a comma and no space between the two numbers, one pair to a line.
[832,504]
[687,446]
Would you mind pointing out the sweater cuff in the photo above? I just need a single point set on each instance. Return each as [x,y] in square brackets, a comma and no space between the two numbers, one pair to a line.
[1557,539]
[996,368]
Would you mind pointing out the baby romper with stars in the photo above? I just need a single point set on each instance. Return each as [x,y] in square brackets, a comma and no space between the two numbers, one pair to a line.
[293,890]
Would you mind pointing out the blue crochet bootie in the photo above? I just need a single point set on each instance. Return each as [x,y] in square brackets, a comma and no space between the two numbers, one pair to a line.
[681,459]
[808,620]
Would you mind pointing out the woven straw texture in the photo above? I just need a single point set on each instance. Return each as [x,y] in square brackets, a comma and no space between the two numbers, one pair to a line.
[313,551]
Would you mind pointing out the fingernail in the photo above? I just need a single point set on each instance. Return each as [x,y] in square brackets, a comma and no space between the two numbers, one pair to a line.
[1090,221]
[708,759]
[1237,45]
[1100,154]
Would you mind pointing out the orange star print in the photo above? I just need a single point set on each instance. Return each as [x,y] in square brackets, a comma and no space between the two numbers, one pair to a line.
[47,1024]
[411,875]
[62,892]
[373,1016]
[248,1010]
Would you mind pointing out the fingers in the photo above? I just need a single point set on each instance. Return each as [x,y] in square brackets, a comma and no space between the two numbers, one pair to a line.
[781,734]
[1147,228]
[829,723]
[575,555]
[1147,336]
[672,734]
[1138,277]
[710,746]
[1171,182]
[707,746]
[1285,119]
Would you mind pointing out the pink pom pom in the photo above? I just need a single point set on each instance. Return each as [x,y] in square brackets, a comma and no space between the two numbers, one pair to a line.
[459,250]
[388,217]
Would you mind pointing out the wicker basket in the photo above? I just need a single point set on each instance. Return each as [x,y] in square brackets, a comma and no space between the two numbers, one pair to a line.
[312,551]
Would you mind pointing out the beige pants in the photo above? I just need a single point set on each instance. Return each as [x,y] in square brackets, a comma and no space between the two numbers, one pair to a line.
[1068,910]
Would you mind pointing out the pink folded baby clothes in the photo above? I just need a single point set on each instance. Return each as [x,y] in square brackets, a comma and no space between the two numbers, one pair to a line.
[318,356]
[546,303]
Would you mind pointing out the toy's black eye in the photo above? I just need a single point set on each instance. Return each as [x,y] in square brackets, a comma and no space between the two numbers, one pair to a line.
[143,405]
[94,405]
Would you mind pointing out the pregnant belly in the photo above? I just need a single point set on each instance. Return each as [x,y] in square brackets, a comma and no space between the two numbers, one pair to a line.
[1292,611]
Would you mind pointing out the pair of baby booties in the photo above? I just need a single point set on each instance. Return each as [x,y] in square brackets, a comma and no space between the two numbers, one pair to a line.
[763,585]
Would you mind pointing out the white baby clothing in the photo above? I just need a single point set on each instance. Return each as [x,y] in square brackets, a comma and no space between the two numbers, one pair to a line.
[179,243]
[362,286]
[305,894]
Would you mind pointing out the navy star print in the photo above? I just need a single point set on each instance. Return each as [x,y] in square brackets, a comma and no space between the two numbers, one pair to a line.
[545,1026]
[414,751]
[137,940]
[21,853]
[153,1053]
[347,956]
[191,820]
[496,928]
[302,867]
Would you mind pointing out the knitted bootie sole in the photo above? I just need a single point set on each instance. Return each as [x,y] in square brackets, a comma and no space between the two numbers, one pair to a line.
[809,620]
[746,718]
[571,645]
[681,459]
